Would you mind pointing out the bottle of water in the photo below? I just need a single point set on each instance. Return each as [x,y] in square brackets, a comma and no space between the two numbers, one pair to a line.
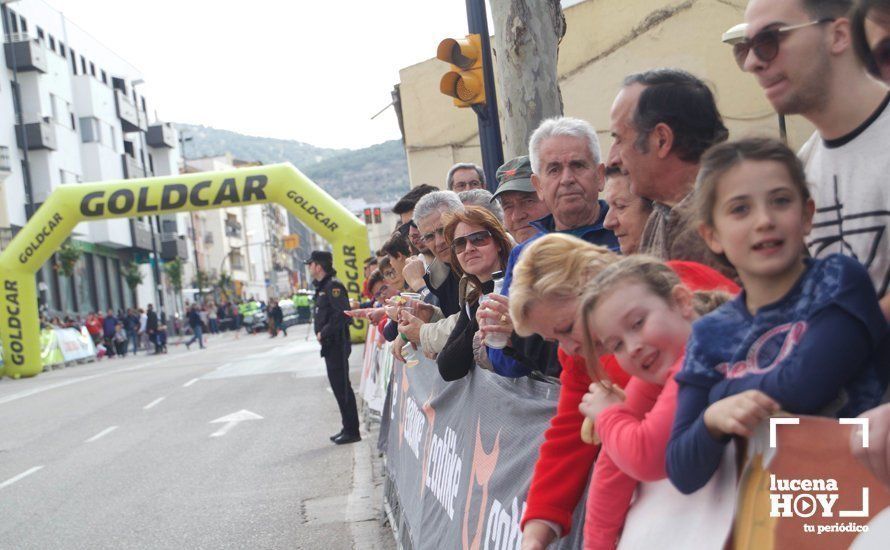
[495,340]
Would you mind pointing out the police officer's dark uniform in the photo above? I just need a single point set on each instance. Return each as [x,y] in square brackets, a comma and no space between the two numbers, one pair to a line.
[331,300]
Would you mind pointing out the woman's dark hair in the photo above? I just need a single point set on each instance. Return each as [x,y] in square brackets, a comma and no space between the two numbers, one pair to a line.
[857,23]
[475,215]
[683,102]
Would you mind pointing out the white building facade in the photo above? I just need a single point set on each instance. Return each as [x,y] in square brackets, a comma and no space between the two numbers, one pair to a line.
[79,117]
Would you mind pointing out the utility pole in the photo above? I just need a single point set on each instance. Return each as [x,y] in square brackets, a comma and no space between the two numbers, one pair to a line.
[182,141]
[156,259]
[487,114]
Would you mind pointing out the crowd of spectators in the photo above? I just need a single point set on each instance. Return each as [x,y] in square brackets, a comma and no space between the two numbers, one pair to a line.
[680,289]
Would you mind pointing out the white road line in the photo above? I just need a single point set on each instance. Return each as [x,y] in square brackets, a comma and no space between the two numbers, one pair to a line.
[153,403]
[20,477]
[190,382]
[41,389]
[103,433]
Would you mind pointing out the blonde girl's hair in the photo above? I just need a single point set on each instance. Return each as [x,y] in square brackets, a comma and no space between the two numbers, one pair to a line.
[656,276]
[720,159]
[553,268]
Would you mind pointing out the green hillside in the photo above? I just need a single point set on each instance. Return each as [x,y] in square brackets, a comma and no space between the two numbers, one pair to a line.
[376,174]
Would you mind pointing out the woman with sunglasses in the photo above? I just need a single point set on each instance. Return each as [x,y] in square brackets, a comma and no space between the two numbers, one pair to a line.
[480,246]
[871,35]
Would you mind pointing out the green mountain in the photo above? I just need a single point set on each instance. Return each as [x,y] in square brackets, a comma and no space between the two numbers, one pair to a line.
[378,173]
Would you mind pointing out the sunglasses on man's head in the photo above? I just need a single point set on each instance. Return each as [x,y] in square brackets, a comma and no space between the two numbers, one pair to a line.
[765,44]
[477,239]
[405,228]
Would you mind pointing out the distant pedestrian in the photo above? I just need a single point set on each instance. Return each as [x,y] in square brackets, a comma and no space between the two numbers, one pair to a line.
[152,327]
[120,340]
[194,319]
[108,327]
[213,324]
[276,319]
[131,326]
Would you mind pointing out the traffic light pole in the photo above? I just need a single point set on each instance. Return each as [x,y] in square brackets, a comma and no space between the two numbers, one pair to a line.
[487,114]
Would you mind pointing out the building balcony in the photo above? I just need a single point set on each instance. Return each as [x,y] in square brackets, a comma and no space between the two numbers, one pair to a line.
[25,52]
[132,170]
[5,163]
[141,234]
[127,113]
[173,246]
[161,136]
[37,135]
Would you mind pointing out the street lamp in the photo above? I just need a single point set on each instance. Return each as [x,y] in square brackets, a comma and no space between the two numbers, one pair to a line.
[182,141]
[156,269]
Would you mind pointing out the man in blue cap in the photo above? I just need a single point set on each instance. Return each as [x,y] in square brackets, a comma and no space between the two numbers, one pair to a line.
[332,332]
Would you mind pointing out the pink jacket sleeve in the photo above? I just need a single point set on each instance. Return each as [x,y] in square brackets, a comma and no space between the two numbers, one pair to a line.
[608,501]
[635,439]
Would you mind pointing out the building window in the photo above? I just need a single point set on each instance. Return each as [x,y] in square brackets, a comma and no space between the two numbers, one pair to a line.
[151,164]
[39,33]
[83,65]
[62,51]
[92,68]
[52,43]
[24,25]
[90,130]
[62,113]
[73,61]
[14,21]
[104,77]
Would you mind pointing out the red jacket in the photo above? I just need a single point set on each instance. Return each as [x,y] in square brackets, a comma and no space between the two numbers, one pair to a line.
[564,463]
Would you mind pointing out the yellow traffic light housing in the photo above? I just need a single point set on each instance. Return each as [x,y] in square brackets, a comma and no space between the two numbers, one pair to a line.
[465,82]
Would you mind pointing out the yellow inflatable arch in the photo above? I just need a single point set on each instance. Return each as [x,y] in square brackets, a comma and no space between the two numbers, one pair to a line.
[71,204]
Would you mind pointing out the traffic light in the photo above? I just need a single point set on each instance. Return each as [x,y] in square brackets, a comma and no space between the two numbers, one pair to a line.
[377,215]
[465,81]
[291,242]
[367,216]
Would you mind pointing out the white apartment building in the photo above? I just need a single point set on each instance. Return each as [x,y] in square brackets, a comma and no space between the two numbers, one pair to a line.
[79,117]
[244,242]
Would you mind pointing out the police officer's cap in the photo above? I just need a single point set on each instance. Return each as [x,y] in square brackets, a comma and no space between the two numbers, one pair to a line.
[321,257]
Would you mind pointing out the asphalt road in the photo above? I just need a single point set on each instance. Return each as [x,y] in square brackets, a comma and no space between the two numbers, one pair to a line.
[138,453]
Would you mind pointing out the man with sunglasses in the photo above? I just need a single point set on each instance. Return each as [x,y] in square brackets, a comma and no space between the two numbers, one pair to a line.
[439,279]
[802,54]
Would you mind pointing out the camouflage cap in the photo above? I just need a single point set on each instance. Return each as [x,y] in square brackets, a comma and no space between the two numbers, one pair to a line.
[515,175]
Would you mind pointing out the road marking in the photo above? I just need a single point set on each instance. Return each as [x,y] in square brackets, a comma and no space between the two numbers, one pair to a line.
[153,403]
[20,477]
[41,389]
[103,433]
[190,382]
[231,420]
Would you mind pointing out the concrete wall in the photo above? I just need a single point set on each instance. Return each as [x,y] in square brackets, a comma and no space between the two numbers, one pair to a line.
[605,41]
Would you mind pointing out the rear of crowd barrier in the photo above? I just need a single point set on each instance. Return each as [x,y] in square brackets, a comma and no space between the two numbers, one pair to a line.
[459,455]
[62,347]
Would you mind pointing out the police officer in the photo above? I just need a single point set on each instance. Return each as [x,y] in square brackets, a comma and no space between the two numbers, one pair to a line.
[332,331]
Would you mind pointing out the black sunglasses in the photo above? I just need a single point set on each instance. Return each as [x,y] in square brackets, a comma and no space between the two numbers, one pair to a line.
[477,239]
[765,44]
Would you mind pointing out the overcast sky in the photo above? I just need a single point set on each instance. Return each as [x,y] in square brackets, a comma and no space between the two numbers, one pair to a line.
[309,70]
